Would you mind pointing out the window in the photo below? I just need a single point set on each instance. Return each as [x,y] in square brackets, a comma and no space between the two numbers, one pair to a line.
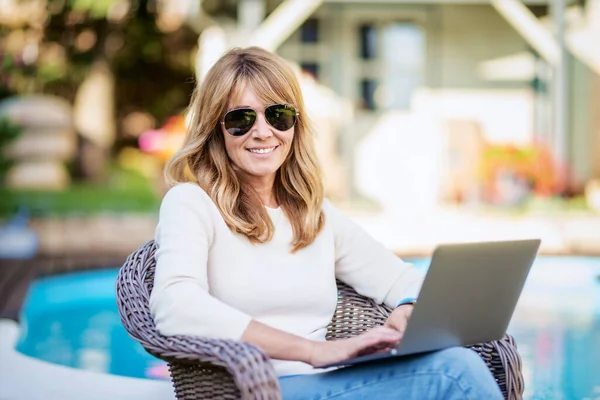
[309,31]
[311,67]
[368,42]
[367,89]
[402,62]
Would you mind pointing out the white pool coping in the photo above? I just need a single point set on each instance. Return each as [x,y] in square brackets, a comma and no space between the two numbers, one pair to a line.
[27,378]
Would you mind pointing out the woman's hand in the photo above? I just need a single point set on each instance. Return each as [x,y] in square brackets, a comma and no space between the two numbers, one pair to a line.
[378,339]
[399,318]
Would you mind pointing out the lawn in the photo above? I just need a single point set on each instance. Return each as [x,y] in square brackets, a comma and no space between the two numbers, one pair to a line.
[124,192]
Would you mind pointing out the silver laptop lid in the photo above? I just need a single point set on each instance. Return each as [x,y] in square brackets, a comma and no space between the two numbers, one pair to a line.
[469,294]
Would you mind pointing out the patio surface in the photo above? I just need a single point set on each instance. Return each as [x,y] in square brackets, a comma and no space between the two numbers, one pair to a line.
[409,233]
[15,275]
[26,378]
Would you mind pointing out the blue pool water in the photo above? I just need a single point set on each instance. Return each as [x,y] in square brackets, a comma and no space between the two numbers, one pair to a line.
[72,320]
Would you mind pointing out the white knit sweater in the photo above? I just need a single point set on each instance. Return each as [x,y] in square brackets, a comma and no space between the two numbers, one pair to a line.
[211,282]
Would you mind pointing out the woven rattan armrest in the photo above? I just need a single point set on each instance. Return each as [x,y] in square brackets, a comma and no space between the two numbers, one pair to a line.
[249,367]
[200,367]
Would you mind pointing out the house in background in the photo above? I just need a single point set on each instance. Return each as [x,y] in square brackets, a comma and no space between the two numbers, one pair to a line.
[405,94]
[418,73]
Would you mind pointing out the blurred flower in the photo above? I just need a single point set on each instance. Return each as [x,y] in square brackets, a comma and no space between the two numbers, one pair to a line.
[165,141]
[532,165]
[158,370]
[136,160]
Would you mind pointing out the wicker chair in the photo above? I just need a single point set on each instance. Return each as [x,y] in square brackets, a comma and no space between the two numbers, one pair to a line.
[203,368]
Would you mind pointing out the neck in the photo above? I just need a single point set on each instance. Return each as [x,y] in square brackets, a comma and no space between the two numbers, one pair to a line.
[264,188]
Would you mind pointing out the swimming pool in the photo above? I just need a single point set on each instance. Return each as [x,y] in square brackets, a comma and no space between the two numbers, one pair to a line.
[72,320]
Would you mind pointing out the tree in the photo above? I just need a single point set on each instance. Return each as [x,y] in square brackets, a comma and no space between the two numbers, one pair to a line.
[108,57]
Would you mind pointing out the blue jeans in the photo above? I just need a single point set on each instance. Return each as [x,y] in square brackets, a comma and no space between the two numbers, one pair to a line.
[455,373]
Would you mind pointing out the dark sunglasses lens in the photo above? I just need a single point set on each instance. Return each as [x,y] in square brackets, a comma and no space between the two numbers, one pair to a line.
[239,122]
[281,116]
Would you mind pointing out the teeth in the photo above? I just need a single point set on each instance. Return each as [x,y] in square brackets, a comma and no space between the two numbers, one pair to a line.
[262,151]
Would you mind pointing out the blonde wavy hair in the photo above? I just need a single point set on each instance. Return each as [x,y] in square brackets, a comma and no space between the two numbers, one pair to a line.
[203,159]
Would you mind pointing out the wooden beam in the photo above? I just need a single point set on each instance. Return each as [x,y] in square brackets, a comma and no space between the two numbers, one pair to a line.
[530,28]
[282,22]
[583,41]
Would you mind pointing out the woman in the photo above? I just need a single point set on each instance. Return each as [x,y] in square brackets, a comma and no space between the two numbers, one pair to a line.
[249,250]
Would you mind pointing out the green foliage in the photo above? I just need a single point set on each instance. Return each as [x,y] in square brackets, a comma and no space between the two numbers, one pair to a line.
[15,75]
[9,131]
[125,192]
[96,8]
[50,73]
[555,206]
[152,68]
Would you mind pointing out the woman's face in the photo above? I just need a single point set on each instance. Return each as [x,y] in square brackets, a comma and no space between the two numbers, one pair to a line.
[260,152]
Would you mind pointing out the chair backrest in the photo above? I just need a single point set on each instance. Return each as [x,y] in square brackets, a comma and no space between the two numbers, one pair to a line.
[354,314]
[133,287]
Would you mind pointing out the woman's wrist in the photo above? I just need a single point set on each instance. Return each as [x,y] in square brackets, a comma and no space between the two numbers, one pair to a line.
[311,347]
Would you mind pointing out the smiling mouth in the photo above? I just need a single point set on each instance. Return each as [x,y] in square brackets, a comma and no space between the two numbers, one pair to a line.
[263,150]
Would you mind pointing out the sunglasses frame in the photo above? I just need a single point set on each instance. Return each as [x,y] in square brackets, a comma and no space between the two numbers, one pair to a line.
[263,112]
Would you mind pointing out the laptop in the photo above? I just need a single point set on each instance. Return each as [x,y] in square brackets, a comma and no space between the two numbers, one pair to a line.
[469,295]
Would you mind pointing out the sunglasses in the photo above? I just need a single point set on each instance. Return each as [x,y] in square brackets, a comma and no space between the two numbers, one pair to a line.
[239,121]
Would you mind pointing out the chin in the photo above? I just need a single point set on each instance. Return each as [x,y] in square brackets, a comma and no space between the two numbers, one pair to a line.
[262,173]
[261,170]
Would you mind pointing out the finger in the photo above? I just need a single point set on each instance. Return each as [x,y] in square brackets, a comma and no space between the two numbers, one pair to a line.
[376,343]
[379,339]
[400,320]
[400,330]
[398,326]
[375,348]
[384,330]
[383,334]
[379,349]
[384,350]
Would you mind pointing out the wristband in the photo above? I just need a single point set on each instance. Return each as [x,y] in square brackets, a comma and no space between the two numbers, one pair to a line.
[407,300]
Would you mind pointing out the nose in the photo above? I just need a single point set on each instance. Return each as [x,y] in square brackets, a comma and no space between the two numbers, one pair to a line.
[261,129]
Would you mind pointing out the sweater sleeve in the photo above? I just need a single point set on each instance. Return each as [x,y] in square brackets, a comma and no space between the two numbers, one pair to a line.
[366,265]
[180,302]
